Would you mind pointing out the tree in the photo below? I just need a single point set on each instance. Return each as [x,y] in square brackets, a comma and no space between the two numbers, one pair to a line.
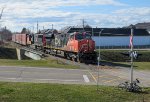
[5,34]
[24,31]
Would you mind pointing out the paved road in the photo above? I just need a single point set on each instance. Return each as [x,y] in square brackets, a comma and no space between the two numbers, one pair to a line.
[111,77]
[45,75]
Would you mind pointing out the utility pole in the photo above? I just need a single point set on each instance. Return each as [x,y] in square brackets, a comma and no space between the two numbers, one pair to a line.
[52,26]
[83,23]
[92,32]
[52,29]
[33,29]
[37,26]
[1,13]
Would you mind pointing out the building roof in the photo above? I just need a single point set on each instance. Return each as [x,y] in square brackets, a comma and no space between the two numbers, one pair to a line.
[120,32]
[108,31]
[47,31]
[145,25]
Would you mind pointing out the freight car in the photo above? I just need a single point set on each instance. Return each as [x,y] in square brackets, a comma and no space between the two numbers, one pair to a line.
[23,39]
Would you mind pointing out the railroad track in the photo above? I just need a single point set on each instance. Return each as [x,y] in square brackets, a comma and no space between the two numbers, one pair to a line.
[67,61]
[58,57]
[92,67]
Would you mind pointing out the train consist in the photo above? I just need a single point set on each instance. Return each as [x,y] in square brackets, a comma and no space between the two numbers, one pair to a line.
[77,46]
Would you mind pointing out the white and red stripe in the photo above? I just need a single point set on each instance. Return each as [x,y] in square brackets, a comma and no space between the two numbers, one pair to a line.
[131,40]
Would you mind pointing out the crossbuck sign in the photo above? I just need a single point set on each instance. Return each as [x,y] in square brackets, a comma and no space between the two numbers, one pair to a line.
[134,54]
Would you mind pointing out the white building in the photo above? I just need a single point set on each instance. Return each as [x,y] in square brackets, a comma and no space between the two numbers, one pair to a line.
[121,40]
[121,37]
[115,37]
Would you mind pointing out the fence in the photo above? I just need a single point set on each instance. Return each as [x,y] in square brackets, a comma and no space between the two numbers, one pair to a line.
[124,47]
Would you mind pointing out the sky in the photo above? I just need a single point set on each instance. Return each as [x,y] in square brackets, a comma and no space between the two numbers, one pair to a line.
[97,13]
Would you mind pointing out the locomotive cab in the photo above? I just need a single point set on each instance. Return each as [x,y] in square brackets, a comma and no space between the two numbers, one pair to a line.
[81,42]
[85,42]
[81,47]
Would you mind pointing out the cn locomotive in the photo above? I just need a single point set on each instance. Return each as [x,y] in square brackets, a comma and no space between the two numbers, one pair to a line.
[77,46]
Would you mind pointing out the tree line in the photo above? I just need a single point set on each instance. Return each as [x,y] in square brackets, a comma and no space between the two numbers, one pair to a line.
[5,34]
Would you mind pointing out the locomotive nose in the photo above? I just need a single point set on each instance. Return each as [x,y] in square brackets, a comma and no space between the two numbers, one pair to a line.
[86,45]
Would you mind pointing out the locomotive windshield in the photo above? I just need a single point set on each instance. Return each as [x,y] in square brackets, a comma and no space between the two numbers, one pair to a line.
[87,36]
[81,36]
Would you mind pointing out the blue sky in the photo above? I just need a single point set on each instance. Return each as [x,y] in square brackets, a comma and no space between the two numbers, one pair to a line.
[97,13]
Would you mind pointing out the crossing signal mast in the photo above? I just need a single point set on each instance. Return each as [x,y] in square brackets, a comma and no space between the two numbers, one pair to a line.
[1,14]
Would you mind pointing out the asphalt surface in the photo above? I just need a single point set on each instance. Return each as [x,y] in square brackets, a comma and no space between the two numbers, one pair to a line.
[115,76]
[109,77]
[45,75]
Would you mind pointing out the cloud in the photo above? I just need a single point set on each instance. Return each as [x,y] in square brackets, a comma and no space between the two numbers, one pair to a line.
[134,15]
[55,3]
[19,13]
[134,11]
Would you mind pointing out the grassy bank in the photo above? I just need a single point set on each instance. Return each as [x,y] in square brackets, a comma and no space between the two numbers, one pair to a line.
[8,53]
[27,92]
[117,56]
[137,65]
[34,63]
[142,65]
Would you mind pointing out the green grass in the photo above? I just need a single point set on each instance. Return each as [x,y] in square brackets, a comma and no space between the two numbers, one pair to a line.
[142,65]
[34,63]
[28,92]
[117,56]
[137,65]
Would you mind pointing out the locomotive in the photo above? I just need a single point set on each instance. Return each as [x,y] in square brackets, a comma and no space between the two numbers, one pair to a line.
[77,46]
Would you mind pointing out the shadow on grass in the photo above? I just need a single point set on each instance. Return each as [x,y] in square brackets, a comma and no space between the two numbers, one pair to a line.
[116,64]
